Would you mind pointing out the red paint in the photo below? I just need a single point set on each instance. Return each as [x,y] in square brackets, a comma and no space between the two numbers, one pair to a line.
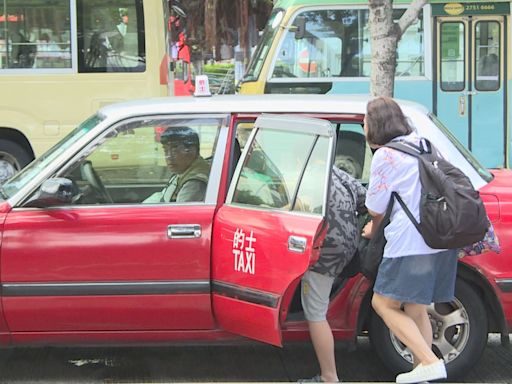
[97,245]
[276,266]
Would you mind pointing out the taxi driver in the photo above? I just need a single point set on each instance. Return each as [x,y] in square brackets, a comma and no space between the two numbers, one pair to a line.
[190,171]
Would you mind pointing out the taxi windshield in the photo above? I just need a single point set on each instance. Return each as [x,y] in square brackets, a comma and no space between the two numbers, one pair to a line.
[254,68]
[11,186]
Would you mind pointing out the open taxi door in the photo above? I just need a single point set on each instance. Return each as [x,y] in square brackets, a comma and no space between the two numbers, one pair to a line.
[270,229]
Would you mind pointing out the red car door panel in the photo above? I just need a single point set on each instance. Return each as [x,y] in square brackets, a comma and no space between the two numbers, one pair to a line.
[253,283]
[106,268]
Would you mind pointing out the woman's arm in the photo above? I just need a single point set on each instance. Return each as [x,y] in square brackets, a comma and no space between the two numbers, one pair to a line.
[372,226]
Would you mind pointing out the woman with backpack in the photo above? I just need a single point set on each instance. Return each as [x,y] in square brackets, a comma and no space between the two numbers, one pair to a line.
[412,275]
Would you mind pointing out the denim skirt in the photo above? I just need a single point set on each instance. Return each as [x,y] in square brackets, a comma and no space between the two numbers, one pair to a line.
[418,279]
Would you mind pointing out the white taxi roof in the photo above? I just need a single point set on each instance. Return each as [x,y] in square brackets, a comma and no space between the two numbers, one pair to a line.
[249,104]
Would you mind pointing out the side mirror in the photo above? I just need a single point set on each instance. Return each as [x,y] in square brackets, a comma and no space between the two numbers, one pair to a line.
[299,26]
[56,191]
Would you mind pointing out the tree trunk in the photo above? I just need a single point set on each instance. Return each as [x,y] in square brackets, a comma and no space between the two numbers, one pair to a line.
[384,38]
[210,25]
[244,24]
[385,34]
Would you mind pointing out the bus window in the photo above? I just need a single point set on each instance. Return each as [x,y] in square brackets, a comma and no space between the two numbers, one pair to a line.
[35,35]
[410,51]
[487,56]
[326,48]
[111,36]
[452,56]
[260,55]
[336,43]
[38,35]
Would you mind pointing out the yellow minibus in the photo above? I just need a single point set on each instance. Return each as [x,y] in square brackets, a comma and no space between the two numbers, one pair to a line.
[61,60]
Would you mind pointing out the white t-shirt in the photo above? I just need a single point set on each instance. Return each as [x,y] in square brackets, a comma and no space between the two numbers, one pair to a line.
[395,171]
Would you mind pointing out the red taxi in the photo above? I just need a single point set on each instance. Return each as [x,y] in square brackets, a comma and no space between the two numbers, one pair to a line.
[85,258]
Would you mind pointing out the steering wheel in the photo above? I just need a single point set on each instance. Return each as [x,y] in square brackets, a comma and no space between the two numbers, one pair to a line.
[282,72]
[90,175]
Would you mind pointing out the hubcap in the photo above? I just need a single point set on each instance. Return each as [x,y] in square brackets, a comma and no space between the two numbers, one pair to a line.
[450,330]
[8,166]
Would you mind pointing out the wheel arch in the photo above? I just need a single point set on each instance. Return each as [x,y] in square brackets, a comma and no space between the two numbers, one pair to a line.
[494,309]
[17,137]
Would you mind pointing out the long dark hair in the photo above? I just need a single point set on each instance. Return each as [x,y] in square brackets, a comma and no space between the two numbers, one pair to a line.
[385,121]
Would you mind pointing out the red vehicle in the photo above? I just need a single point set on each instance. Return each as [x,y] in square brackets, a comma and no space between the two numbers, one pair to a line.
[85,258]
[180,52]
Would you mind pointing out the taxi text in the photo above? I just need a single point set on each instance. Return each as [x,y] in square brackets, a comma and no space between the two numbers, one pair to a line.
[243,252]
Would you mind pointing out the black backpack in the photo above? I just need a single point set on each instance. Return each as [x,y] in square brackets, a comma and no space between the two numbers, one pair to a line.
[452,214]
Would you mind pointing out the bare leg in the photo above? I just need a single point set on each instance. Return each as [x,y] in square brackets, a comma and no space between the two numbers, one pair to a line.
[404,327]
[418,313]
[323,342]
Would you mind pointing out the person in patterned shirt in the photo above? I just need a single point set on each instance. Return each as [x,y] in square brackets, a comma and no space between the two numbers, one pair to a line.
[346,200]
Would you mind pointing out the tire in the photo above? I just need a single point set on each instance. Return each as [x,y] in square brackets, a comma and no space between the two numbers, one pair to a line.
[13,157]
[460,344]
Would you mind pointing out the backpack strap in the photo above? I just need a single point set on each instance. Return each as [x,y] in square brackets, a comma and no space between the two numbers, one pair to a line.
[406,210]
[412,149]
[416,151]
[402,146]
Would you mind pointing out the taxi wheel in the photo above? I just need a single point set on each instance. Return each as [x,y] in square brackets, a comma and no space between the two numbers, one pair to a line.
[12,159]
[459,333]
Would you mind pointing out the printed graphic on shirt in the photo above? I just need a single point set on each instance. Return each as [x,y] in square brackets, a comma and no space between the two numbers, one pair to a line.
[379,177]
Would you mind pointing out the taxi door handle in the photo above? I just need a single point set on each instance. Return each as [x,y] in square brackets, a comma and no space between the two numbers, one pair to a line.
[184,231]
[297,244]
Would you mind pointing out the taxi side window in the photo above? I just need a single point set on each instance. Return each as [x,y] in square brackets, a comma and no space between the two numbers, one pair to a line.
[353,155]
[131,163]
[310,196]
[243,130]
[271,177]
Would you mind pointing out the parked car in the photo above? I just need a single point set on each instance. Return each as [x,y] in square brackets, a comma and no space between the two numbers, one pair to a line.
[84,259]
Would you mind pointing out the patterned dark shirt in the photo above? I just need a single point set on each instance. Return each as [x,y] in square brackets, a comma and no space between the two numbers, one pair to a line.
[346,200]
